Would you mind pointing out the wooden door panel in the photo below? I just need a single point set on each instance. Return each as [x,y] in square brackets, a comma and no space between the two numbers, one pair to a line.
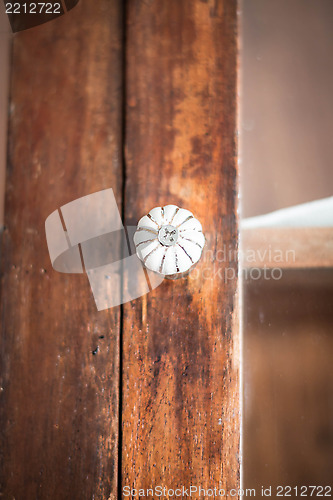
[180,417]
[59,409]
[154,82]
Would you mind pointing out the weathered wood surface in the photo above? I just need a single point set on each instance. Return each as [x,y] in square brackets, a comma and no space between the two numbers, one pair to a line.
[180,418]
[180,344]
[59,401]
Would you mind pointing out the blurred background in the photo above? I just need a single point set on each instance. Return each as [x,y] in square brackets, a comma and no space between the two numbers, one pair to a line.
[286,136]
[287,104]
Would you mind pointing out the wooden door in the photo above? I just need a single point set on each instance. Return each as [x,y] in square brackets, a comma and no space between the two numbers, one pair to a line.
[140,98]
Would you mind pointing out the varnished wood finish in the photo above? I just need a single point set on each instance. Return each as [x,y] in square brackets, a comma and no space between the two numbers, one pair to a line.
[59,401]
[180,417]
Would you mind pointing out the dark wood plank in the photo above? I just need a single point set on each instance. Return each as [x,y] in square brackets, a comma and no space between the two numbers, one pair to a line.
[59,401]
[180,418]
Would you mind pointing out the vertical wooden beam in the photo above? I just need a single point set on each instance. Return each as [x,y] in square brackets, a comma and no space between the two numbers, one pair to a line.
[180,418]
[59,394]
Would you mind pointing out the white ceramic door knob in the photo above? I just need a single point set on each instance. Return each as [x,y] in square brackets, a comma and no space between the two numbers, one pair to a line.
[169,240]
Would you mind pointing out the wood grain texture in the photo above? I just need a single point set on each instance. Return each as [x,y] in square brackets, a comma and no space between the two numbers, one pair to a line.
[59,401]
[180,418]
